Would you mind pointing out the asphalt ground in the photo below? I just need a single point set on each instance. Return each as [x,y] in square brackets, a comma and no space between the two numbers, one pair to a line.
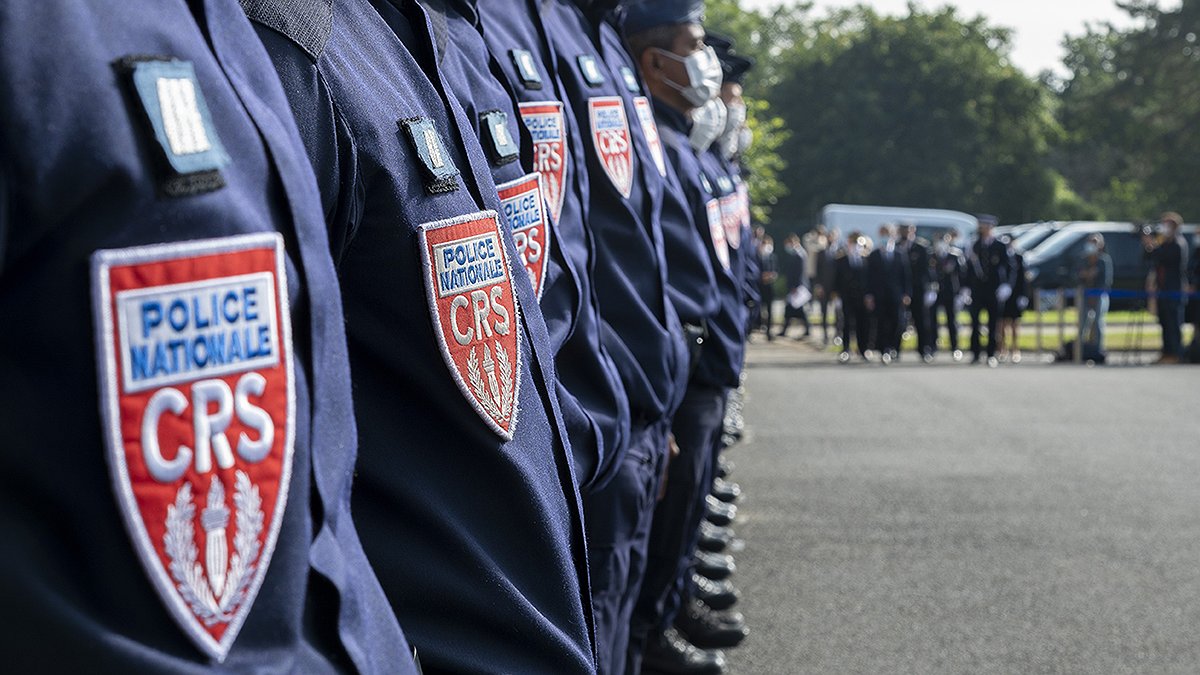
[951,518]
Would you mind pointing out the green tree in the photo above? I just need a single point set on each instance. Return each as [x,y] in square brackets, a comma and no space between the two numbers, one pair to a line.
[923,110]
[1130,108]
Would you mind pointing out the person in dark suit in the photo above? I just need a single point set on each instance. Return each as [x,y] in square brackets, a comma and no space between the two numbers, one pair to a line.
[920,275]
[768,266]
[823,282]
[795,259]
[1010,314]
[949,267]
[889,292]
[1168,279]
[990,273]
[850,286]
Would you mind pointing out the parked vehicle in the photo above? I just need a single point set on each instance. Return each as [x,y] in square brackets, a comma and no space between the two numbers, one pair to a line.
[1030,238]
[1053,264]
[930,223]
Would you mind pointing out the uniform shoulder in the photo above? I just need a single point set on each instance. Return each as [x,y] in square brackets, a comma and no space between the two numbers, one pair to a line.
[306,23]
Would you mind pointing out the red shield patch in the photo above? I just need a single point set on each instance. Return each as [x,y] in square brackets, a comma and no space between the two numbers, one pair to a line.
[525,212]
[610,134]
[546,124]
[731,218]
[474,311]
[744,202]
[195,352]
[717,231]
[650,128]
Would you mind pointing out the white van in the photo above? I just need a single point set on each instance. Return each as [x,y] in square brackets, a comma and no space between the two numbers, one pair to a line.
[930,223]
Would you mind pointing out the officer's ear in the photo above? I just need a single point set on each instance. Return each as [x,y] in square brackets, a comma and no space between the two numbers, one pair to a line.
[650,63]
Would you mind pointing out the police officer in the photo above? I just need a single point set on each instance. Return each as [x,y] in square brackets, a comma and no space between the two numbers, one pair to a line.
[889,293]
[949,268]
[920,276]
[645,335]
[683,76]
[988,271]
[595,409]
[188,509]
[468,504]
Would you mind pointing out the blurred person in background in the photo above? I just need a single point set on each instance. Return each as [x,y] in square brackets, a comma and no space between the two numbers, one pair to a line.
[1014,307]
[768,266]
[850,286]
[1096,277]
[889,293]
[948,269]
[823,281]
[1167,282]
[794,266]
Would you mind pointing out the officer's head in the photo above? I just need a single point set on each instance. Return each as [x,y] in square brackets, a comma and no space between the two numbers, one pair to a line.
[986,226]
[886,232]
[907,231]
[667,41]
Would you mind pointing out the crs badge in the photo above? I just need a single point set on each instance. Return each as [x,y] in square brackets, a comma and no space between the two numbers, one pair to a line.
[744,203]
[650,129]
[195,357]
[716,229]
[610,134]
[731,218]
[525,212]
[546,124]
[475,313]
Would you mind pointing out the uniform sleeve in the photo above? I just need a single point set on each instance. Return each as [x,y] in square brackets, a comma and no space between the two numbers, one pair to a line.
[327,140]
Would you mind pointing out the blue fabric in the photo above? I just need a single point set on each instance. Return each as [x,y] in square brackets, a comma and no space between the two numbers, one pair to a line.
[590,394]
[721,358]
[83,178]
[619,521]
[478,542]
[641,329]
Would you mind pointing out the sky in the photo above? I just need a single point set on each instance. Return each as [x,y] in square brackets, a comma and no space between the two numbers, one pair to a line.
[1039,25]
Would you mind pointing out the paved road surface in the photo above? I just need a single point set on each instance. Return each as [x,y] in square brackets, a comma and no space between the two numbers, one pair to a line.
[959,519]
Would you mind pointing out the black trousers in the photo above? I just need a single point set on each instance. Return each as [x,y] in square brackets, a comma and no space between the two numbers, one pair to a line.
[856,322]
[922,319]
[947,306]
[984,301]
[887,326]
[1170,317]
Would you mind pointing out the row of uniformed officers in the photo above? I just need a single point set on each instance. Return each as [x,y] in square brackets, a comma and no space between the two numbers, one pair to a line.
[352,335]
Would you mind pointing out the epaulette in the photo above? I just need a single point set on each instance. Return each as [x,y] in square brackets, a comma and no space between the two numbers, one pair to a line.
[307,23]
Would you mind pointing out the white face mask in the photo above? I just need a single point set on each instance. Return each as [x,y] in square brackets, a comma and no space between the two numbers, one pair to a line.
[1090,249]
[942,248]
[704,75]
[735,119]
[707,123]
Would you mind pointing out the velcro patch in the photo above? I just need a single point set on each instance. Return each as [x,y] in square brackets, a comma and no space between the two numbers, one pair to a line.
[614,145]
[197,396]
[525,211]
[547,126]
[590,70]
[716,230]
[437,167]
[526,69]
[189,152]
[645,113]
[497,138]
[475,313]
[631,82]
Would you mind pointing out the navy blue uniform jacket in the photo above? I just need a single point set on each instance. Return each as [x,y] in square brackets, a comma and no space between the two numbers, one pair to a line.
[477,538]
[83,170]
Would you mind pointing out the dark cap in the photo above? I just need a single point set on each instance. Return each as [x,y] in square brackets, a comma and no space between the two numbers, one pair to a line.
[641,15]
[733,66]
[987,219]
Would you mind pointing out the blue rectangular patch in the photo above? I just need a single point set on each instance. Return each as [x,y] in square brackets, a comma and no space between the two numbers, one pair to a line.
[497,137]
[526,70]
[590,70]
[437,167]
[175,106]
[631,81]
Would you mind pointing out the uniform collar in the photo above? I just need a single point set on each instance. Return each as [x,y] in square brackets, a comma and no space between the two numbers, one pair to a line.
[671,117]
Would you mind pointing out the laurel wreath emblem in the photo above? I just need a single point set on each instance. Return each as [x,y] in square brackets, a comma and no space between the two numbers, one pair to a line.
[498,404]
[180,544]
